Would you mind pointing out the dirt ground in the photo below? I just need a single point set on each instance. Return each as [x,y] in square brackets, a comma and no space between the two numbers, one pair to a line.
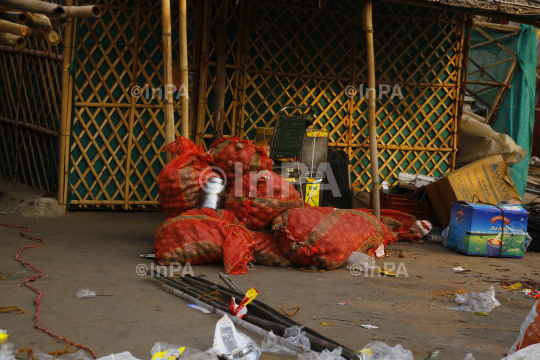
[100,251]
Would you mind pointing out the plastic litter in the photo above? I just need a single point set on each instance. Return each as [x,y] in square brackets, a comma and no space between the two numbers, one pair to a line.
[270,345]
[126,355]
[201,309]
[369,326]
[232,344]
[7,352]
[469,356]
[376,350]
[85,293]
[483,302]
[164,351]
[324,355]
[3,336]
[531,352]
[360,262]
[444,235]
[295,335]
[529,332]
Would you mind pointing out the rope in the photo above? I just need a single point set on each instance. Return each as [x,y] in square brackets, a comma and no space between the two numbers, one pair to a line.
[217,296]
[66,350]
[290,314]
[34,278]
[30,354]
[6,309]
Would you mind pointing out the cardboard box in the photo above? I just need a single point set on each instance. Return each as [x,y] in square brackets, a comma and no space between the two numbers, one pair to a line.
[476,229]
[487,180]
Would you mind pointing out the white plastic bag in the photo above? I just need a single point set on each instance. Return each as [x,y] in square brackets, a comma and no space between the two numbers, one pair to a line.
[232,344]
[376,350]
[360,262]
[271,345]
[85,293]
[79,355]
[444,235]
[324,355]
[126,355]
[295,335]
[478,302]
[7,352]
[531,352]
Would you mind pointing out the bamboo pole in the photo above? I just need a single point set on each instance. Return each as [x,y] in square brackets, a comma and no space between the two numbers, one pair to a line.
[65,117]
[26,125]
[82,11]
[203,68]
[48,35]
[368,28]
[35,6]
[132,110]
[500,27]
[59,22]
[221,75]
[37,20]
[498,100]
[184,69]
[167,75]
[16,29]
[14,16]
[12,40]
[462,85]
[36,53]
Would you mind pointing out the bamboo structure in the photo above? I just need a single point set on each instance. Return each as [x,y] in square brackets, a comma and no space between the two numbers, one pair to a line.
[16,29]
[37,6]
[14,16]
[37,20]
[184,70]
[82,11]
[109,145]
[48,35]
[12,40]
[372,103]
[167,74]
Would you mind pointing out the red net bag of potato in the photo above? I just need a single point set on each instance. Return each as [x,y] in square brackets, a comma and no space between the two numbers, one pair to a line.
[181,180]
[404,225]
[267,251]
[257,199]
[203,236]
[229,151]
[326,237]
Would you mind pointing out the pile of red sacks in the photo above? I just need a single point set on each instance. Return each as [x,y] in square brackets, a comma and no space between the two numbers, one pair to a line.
[265,220]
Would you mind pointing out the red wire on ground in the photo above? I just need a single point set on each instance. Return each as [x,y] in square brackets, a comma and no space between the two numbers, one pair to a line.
[34,278]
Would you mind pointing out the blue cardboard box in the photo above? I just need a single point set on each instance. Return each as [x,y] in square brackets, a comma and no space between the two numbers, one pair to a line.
[475,229]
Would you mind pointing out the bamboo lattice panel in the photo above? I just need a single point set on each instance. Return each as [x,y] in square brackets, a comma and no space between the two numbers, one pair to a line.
[287,52]
[30,89]
[117,138]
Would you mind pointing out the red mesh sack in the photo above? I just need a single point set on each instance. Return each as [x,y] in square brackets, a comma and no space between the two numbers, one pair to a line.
[181,180]
[267,251]
[203,236]
[398,222]
[257,199]
[326,237]
[233,150]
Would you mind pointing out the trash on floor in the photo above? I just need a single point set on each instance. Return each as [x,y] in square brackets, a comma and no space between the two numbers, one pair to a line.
[324,355]
[367,326]
[327,324]
[232,344]
[126,355]
[270,344]
[360,262]
[529,332]
[201,309]
[240,310]
[376,350]
[3,336]
[477,229]
[164,351]
[531,352]
[85,293]
[533,294]
[483,302]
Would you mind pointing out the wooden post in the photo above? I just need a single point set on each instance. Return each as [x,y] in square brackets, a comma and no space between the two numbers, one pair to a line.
[65,117]
[372,101]
[167,75]
[203,68]
[184,70]
[221,75]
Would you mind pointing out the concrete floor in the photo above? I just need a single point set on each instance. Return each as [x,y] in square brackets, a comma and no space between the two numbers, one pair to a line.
[100,251]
